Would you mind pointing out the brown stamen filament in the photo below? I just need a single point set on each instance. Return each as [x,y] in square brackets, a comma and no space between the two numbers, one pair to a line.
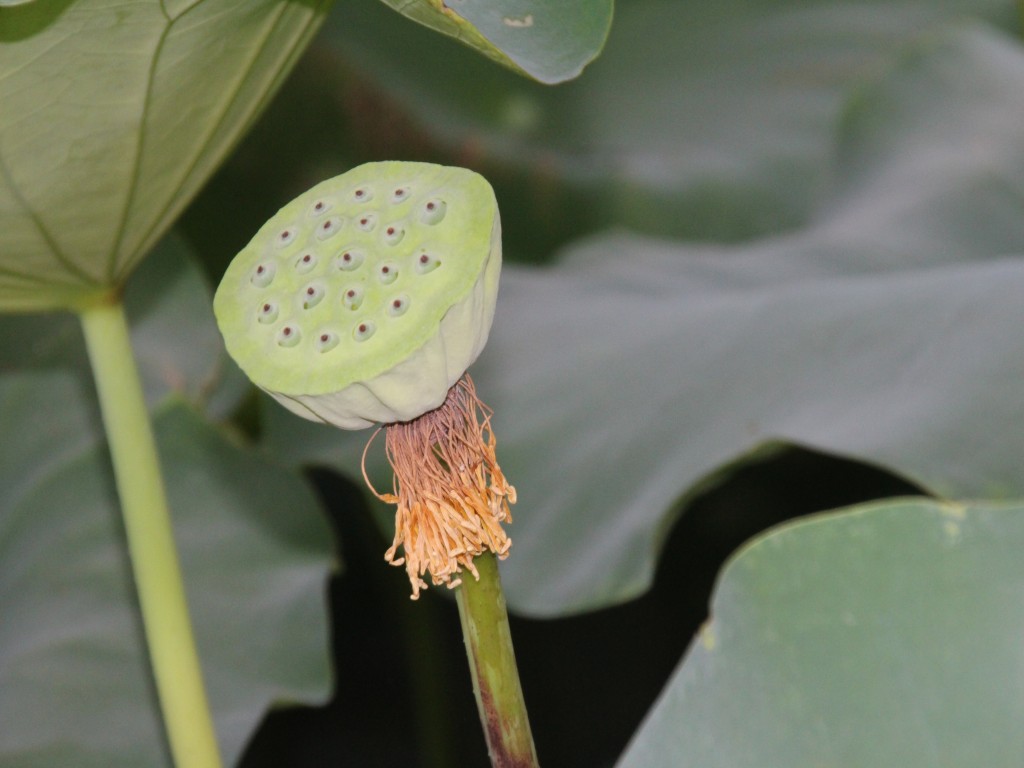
[451,494]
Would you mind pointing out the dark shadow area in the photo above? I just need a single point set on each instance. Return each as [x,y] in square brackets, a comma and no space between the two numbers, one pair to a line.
[405,696]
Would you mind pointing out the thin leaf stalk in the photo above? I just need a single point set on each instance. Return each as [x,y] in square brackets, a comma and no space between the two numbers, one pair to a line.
[154,558]
[492,665]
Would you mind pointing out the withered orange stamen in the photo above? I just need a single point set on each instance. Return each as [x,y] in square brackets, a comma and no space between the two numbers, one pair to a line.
[451,494]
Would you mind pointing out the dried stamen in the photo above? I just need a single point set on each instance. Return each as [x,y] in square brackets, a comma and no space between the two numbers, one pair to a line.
[451,494]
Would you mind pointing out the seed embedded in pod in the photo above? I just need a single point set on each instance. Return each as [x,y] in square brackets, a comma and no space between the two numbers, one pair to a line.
[305,263]
[352,298]
[350,259]
[433,211]
[326,341]
[400,194]
[427,262]
[288,336]
[367,222]
[387,273]
[363,330]
[285,237]
[328,228]
[393,234]
[320,206]
[312,295]
[264,273]
[362,194]
[267,312]
[398,306]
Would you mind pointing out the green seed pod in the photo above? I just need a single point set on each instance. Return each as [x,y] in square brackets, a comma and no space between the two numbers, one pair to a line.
[367,297]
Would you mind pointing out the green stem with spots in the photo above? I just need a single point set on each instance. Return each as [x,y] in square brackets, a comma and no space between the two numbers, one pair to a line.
[492,664]
[151,546]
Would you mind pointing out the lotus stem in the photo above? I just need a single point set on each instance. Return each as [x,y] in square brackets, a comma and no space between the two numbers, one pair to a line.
[154,558]
[492,665]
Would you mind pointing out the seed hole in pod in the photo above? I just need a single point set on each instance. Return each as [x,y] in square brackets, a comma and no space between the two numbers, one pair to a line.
[305,263]
[326,341]
[350,259]
[362,194]
[400,194]
[387,273]
[367,222]
[427,262]
[267,312]
[433,211]
[285,237]
[288,336]
[393,234]
[398,306]
[363,330]
[312,295]
[263,275]
[352,298]
[320,206]
[328,228]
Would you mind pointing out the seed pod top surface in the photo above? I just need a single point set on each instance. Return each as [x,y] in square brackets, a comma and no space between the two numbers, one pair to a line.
[365,298]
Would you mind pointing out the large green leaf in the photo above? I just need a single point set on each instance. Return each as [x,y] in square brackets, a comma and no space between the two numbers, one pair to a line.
[113,116]
[177,346]
[886,635]
[700,119]
[74,679]
[550,42]
[74,685]
[887,330]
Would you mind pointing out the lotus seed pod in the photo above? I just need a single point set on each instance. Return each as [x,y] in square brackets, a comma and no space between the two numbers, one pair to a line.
[366,298]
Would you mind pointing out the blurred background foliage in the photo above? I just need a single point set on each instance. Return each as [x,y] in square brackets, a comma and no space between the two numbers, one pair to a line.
[746,203]
[763,262]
